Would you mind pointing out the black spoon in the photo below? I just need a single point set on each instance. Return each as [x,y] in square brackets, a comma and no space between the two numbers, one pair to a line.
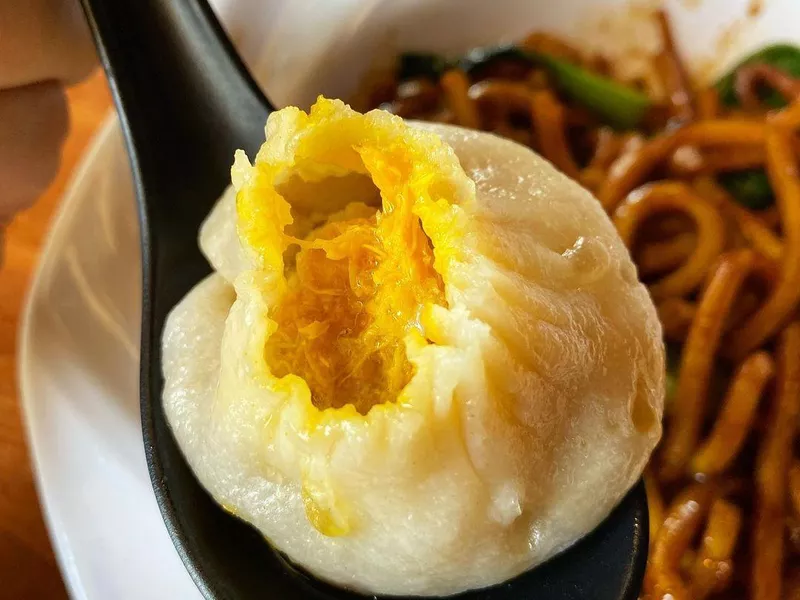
[186,102]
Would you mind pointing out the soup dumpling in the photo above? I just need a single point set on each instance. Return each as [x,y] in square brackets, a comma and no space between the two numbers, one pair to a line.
[424,363]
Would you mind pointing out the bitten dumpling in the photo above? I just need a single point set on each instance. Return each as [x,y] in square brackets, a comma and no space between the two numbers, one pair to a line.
[424,363]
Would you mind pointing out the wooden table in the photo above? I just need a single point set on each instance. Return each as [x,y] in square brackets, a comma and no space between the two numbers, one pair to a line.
[28,569]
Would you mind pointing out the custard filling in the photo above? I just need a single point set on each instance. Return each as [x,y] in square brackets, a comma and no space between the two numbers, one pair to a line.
[358,216]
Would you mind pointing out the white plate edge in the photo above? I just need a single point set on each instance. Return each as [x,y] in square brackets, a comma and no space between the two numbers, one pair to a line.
[68,202]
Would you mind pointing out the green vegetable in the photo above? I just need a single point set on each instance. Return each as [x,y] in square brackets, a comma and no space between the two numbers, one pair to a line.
[414,65]
[420,65]
[783,56]
[618,105]
[478,58]
[751,188]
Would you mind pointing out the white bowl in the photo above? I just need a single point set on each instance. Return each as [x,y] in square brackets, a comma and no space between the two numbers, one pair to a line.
[299,49]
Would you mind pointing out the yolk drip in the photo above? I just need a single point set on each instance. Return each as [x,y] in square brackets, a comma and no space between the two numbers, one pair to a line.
[358,288]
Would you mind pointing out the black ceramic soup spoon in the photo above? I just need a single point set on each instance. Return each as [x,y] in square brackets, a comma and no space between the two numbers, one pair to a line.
[186,102]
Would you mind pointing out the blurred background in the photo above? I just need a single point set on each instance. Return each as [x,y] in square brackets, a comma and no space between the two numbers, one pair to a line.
[28,568]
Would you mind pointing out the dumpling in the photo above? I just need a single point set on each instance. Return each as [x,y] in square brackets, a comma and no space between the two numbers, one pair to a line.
[424,363]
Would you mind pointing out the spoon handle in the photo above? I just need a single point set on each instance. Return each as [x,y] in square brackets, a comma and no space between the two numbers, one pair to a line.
[186,102]
[170,67]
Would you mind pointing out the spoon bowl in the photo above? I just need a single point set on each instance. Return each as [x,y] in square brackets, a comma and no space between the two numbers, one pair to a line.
[186,102]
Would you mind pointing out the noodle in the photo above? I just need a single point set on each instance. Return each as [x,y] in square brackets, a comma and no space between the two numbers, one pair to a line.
[719,132]
[414,98]
[499,102]
[794,486]
[658,198]
[749,77]
[785,296]
[607,148]
[657,257]
[549,44]
[548,120]
[714,161]
[790,117]
[455,86]
[793,588]
[673,73]
[736,417]
[697,360]
[772,471]
[753,229]
[655,506]
[713,568]
[676,315]
[683,520]
[708,104]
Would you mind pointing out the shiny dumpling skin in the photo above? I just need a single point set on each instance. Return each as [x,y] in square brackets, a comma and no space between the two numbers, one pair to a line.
[542,397]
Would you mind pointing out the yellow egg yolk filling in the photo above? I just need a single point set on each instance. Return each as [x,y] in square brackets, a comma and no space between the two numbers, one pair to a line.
[354,232]
[357,290]
[341,212]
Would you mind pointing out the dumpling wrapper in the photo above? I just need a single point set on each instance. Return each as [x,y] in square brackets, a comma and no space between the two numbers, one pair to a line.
[537,388]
